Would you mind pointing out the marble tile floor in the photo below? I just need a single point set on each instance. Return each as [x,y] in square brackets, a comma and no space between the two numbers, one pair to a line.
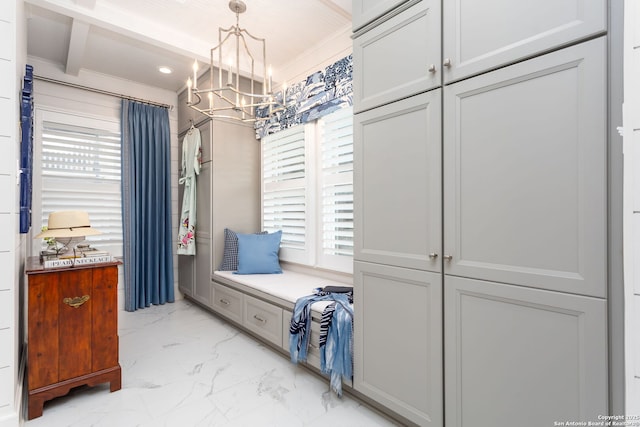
[182,366]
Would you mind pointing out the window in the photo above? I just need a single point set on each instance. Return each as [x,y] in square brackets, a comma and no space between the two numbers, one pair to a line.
[307,191]
[79,161]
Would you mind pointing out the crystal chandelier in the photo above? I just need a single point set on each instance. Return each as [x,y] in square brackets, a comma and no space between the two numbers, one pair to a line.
[226,99]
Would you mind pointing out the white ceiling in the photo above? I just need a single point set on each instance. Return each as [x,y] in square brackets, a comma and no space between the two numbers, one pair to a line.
[130,39]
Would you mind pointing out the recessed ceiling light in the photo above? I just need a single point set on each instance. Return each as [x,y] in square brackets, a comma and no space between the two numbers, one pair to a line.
[165,70]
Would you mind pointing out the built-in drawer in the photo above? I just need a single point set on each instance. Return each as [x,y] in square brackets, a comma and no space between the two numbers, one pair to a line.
[263,319]
[227,302]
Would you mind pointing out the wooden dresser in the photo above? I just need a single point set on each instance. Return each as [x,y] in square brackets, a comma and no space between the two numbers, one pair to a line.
[72,330]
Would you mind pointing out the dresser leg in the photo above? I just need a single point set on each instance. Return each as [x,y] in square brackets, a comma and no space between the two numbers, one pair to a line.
[35,407]
[116,381]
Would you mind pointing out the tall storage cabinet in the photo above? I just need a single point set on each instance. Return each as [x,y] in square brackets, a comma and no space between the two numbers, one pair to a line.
[481,205]
[228,196]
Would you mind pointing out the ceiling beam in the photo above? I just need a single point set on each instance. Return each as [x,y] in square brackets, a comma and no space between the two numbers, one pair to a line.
[77,45]
[104,15]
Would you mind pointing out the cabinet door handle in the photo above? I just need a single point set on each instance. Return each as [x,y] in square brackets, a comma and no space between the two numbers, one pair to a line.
[76,302]
[259,319]
[448,257]
[433,255]
[432,68]
[447,62]
[224,301]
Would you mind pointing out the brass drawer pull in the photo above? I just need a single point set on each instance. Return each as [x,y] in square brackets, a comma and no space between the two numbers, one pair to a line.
[76,302]
[259,319]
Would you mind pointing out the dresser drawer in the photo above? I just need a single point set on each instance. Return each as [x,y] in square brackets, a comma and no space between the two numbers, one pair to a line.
[263,319]
[227,302]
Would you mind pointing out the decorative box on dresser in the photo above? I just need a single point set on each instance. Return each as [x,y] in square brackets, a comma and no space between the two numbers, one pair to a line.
[72,318]
[481,210]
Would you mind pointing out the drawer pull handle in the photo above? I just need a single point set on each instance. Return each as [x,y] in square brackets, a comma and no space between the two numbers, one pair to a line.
[433,255]
[447,62]
[448,257]
[259,319]
[432,68]
[76,302]
[224,301]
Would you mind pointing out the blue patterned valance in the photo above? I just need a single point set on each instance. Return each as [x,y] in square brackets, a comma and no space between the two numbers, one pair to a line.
[322,93]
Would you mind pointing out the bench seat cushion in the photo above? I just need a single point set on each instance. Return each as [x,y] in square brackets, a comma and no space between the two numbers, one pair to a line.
[288,286]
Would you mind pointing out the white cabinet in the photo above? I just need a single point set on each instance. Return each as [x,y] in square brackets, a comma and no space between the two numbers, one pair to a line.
[397,178]
[202,259]
[484,35]
[512,140]
[519,356]
[365,11]
[228,196]
[401,57]
[398,340]
[525,173]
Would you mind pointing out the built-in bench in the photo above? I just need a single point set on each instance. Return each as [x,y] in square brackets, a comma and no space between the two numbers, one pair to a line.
[262,304]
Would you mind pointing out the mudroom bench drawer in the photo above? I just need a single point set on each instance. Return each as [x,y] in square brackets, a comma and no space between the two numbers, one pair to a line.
[263,319]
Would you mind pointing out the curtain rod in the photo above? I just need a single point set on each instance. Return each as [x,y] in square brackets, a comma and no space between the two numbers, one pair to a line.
[103,92]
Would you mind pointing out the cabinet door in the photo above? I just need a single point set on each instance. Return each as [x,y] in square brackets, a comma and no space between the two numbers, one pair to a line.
[105,318]
[75,323]
[479,36]
[398,340]
[397,158]
[519,356]
[525,173]
[43,326]
[365,11]
[235,188]
[398,58]
[202,291]
[203,263]
[186,274]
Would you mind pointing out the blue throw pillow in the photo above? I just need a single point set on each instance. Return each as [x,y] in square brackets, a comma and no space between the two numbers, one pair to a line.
[230,253]
[258,253]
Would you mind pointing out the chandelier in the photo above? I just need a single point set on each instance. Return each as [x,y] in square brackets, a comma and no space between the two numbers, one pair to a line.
[227,99]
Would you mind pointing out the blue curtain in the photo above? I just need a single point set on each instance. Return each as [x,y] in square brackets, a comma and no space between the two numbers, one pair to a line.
[146,205]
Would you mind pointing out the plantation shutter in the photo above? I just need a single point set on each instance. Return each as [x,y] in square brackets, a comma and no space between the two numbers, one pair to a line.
[337,183]
[284,204]
[81,171]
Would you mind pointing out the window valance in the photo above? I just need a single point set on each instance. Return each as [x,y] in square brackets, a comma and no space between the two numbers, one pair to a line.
[323,92]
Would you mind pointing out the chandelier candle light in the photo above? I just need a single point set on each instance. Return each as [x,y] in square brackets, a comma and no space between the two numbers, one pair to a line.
[227,100]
